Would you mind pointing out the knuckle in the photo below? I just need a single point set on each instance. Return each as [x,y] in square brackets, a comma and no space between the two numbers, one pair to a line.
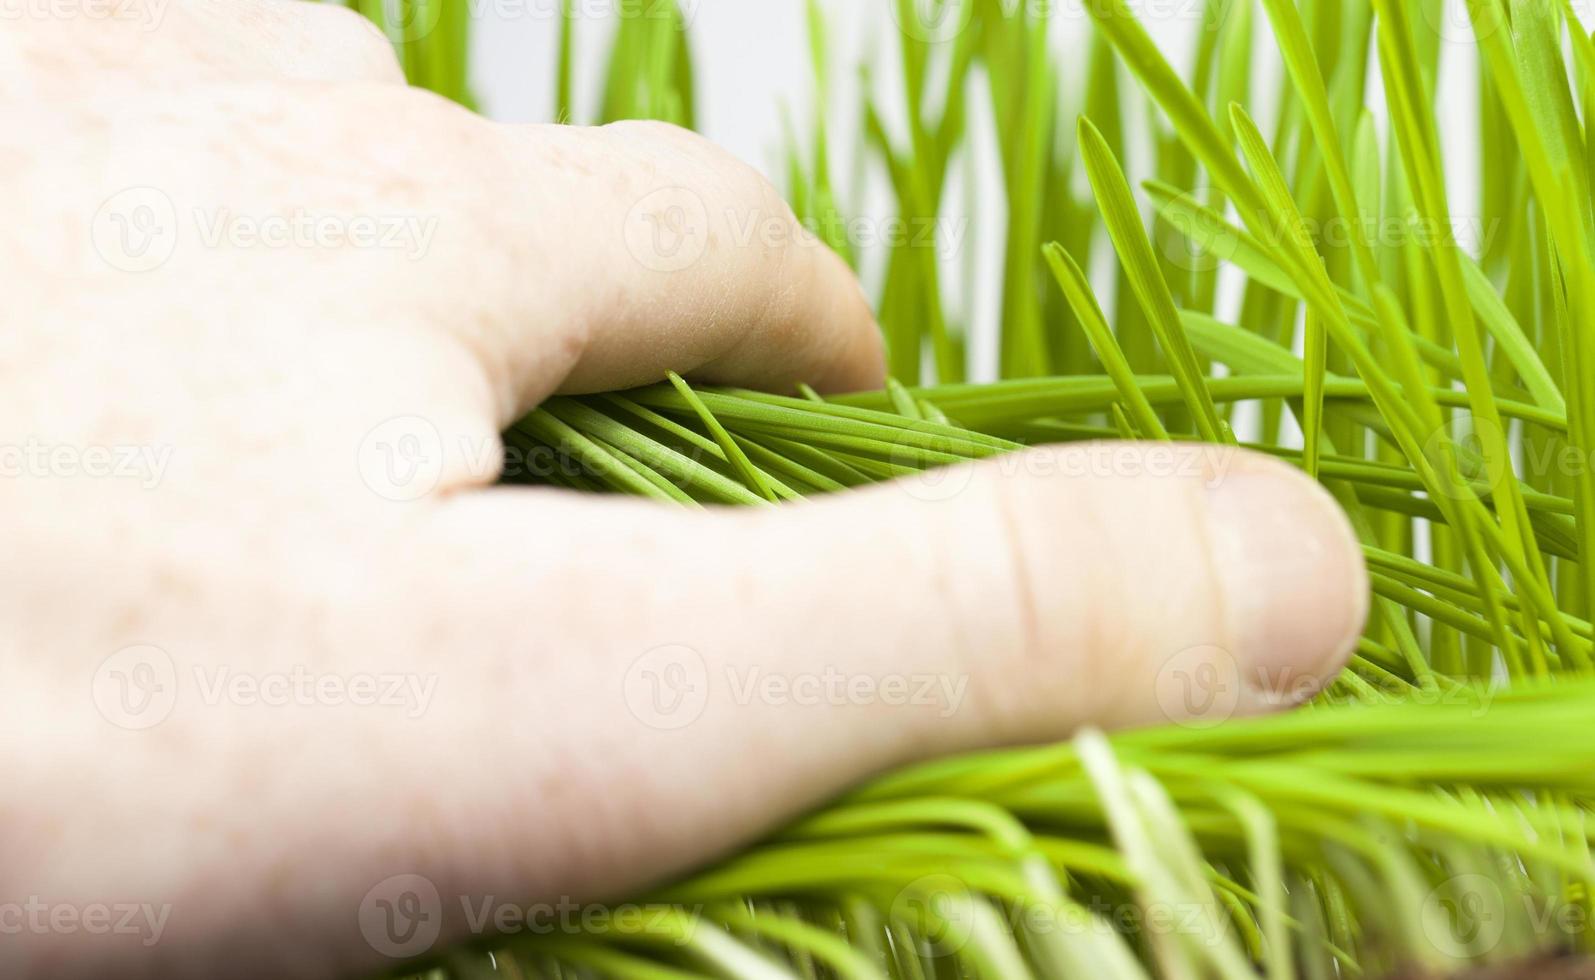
[348,38]
[1118,541]
[386,118]
[343,25]
[654,131]
[713,167]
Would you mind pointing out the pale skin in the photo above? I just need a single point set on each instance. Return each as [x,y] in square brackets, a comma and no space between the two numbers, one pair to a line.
[530,754]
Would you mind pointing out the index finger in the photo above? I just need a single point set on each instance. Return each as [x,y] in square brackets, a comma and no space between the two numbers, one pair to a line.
[665,253]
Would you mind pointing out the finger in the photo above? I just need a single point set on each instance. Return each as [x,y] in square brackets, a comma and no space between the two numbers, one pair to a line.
[641,248]
[712,675]
[598,695]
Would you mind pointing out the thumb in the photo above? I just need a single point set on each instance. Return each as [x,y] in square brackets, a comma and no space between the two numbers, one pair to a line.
[626,691]
[727,669]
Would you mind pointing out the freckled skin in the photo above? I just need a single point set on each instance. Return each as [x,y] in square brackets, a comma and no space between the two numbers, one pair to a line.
[256,536]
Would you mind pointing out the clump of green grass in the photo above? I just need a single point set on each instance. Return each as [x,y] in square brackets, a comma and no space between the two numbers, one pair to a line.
[1431,808]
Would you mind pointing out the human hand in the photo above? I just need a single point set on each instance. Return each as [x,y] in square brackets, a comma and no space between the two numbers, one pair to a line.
[270,638]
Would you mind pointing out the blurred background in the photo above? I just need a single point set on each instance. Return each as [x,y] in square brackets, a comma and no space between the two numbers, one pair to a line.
[755,93]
